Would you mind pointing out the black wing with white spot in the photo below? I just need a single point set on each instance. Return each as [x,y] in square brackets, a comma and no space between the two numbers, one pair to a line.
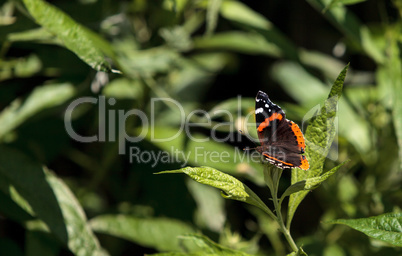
[268,117]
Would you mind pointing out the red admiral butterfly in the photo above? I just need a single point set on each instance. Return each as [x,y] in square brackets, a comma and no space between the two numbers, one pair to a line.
[282,141]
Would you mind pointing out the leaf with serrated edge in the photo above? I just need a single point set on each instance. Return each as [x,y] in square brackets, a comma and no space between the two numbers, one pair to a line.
[313,183]
[232,188]
[319,136]
[86,44]
[310,183]
[386,227]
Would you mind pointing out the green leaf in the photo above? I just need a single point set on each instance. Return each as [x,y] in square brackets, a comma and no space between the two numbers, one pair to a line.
[50,200]
[301,85]
[179,254]
[41,98]
[159,233]
[148,62]
[300,252]
[351,26]
[309,91]
[19,173]
[7,14]
[247,19]
[239,12]
[232,188]
[270,228]
[394,74]
[20,67]
[338,3]
[243,42]
[123,88]
[81,240]
[209,247]
[313,183]
[386,227]
[310,183]
[212,15]
[177,37]
[319,136]
[86,44]
[210,211]
[296,187]
[205,246]
[11,209]
[37,34]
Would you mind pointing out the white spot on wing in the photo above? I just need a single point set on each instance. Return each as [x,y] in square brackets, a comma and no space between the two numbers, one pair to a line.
[266,105]
[259,110]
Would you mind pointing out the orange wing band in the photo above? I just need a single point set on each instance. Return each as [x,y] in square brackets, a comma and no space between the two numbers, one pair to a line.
[276,159]
[304,163]
[267,120]
[299,135]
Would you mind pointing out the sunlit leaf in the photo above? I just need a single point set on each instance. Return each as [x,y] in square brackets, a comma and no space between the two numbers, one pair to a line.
[386,227]
[239,12]
[232,188]
[87,45]
[319,136]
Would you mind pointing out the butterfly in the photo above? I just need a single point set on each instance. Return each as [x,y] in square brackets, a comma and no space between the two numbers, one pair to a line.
[282,142]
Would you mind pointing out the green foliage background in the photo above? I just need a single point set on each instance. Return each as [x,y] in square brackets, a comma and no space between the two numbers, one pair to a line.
[91,200]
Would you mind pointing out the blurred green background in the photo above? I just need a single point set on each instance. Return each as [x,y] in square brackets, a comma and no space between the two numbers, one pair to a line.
[203,54]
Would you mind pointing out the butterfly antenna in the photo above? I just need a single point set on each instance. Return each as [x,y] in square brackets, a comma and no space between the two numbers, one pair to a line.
[247,149]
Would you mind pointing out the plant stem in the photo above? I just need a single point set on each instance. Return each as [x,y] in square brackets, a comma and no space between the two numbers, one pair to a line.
[281,222]
[272,176]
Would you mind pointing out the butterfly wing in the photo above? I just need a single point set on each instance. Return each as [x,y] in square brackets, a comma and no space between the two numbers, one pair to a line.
[268,117]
